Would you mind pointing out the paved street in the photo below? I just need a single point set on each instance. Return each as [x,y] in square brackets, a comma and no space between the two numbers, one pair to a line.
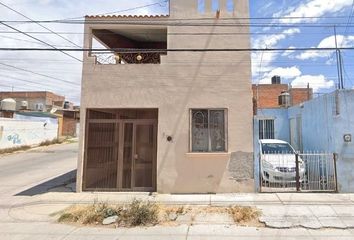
[34,184]
[20,171]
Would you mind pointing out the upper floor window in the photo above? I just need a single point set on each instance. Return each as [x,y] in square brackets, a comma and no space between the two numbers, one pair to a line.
[208,130]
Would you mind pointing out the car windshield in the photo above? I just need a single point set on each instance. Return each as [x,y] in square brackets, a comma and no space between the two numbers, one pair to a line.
[277,148]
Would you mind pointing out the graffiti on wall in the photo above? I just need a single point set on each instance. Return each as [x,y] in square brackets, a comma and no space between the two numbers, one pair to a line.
[14,138]
[15,133]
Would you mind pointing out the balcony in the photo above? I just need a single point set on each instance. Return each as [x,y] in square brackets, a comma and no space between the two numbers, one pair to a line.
[122,46]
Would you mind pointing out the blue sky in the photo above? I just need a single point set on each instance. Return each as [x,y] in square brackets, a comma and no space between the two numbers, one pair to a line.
[296,67]
[317,68]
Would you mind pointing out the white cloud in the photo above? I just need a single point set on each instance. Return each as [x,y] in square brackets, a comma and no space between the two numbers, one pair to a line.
[261,61]
[313,8]
[328,42]
[316,82]
[269,41]
[284,73]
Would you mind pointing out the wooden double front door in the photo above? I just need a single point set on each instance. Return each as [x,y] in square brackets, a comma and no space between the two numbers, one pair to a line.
[120,155]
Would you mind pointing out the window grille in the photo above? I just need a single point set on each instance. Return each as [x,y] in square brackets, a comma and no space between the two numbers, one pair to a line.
[208,130]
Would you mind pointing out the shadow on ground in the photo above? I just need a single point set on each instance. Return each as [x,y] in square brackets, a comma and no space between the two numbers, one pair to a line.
[63,183]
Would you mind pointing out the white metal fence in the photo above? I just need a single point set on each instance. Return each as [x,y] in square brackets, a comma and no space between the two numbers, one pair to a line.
[299,172]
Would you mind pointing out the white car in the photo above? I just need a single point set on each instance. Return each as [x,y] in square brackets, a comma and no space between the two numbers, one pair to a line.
[278,162]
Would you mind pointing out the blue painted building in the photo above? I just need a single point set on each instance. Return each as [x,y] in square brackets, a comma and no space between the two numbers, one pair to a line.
[323,124]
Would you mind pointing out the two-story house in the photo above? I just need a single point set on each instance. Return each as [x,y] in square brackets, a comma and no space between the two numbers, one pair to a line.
[169,107]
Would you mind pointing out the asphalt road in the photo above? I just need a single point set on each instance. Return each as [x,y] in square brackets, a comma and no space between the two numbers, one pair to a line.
[40,167]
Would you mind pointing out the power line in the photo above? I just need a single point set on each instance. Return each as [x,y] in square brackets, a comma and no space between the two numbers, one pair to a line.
[6,6]
[349,18]
[169,19]
[38,74]
[189,24]
[176,33]
[39,40]
[23,40]
[134,50]
[12,87]
[28,81]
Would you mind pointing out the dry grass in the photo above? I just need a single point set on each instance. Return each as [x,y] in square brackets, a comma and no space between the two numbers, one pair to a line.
[137,213]
[15,149]
[50,142]
[88,214]
[140,213]
[244,215]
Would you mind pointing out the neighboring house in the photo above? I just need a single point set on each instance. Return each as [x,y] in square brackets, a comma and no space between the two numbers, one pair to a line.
[71,120]
[324,124]
[267,96]
[171,122]
[35,101]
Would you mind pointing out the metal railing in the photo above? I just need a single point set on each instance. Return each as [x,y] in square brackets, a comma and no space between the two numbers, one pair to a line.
[113,58]
[299,172]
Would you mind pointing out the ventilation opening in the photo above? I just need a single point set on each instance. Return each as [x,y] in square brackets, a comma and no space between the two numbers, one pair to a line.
[230,6]
[201,6]
[215,5]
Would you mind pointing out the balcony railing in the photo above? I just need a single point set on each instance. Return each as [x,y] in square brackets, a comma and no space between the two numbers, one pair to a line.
[128,58]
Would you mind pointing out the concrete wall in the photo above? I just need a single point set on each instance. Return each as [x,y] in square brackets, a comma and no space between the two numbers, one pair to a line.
[16,133]
[323,123]
[185,80]
[281,125]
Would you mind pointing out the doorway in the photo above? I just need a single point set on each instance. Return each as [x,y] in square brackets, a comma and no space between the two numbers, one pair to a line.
[120,150]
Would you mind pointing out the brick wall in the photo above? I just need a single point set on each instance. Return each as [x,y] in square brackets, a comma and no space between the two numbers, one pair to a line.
[69,127]
[266,95]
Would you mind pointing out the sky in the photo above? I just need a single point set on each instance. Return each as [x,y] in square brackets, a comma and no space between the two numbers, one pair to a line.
[54,71]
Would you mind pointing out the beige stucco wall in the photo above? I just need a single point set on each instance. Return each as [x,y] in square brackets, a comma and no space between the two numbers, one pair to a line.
[185,80]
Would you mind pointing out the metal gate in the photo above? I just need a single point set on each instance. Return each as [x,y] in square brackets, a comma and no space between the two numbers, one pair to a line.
[120,150]
[300,172]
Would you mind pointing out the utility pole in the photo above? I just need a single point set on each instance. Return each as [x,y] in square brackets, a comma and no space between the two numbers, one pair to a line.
[339,62]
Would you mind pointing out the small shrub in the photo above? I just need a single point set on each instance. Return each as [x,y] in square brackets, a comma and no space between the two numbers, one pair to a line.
[140,213]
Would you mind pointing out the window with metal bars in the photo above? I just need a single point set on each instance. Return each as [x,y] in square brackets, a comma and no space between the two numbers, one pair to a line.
[266,129]
[208,130]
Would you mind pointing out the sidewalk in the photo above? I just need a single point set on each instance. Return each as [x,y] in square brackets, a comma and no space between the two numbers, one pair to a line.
[283,210]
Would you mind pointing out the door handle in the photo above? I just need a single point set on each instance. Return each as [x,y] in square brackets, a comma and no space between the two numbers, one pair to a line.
[136,156]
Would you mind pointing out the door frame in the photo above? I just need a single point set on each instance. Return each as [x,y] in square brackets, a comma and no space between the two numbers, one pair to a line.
[119,155]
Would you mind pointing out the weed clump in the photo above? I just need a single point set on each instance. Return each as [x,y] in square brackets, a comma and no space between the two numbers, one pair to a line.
[242,215]
[137,213]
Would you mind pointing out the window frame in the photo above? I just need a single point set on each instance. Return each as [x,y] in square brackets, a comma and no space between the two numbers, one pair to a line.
[264,127]
[225,110]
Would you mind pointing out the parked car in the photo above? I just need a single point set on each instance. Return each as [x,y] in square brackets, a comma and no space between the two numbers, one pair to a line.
[278,163]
